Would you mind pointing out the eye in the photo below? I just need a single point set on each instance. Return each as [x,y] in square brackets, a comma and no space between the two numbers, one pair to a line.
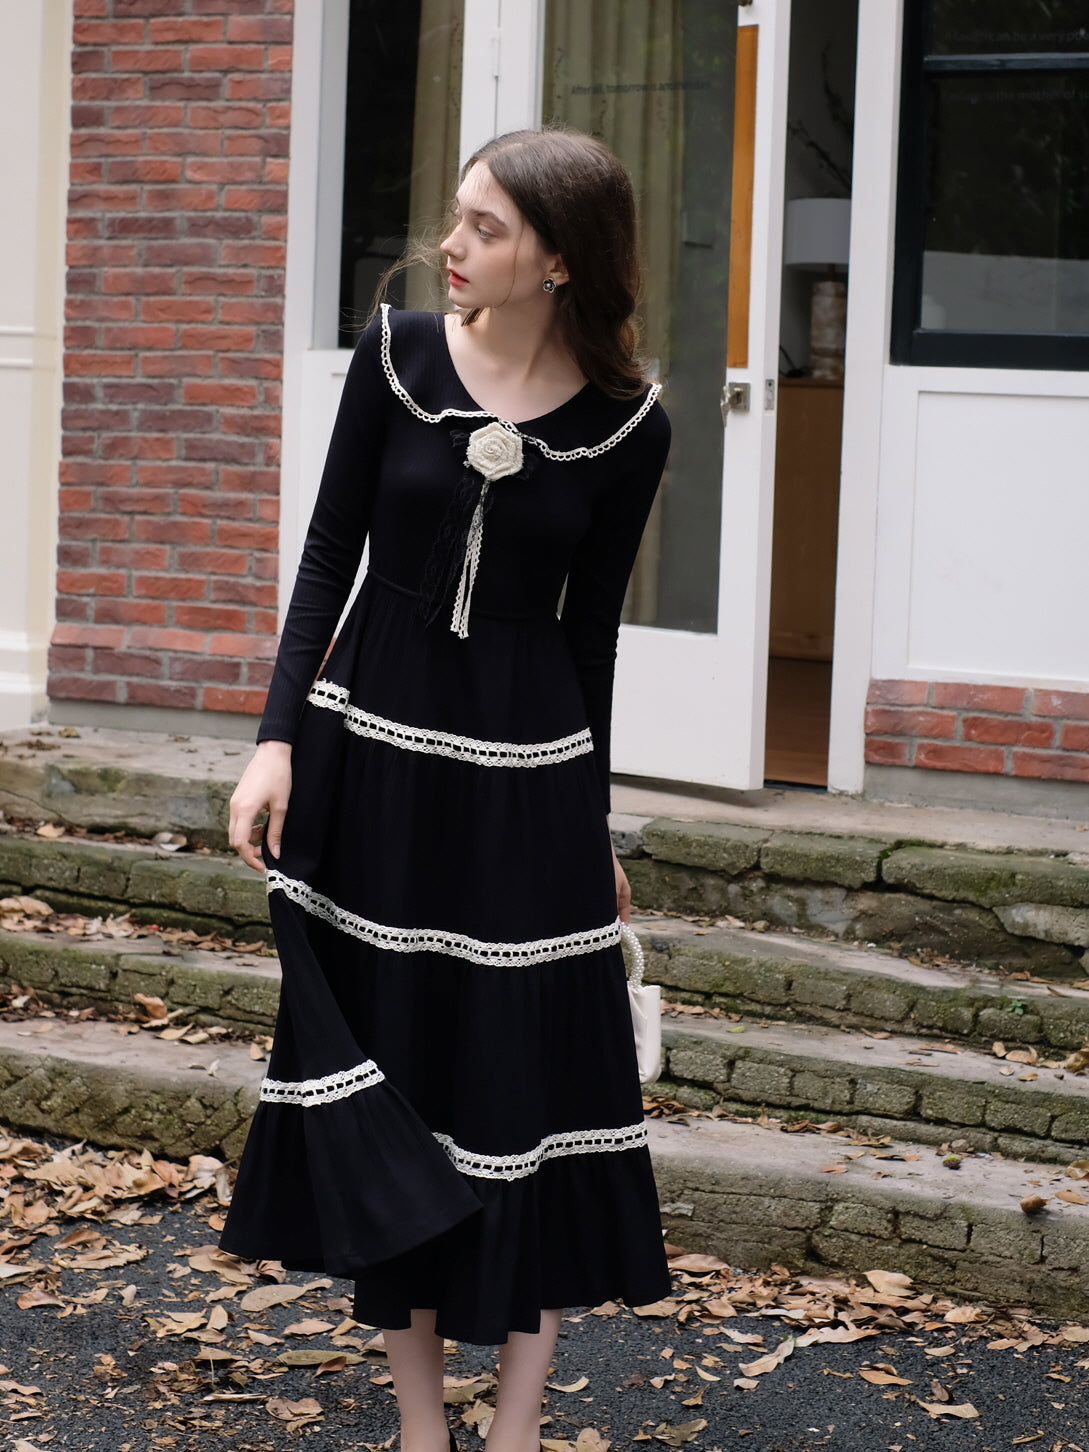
[484,234]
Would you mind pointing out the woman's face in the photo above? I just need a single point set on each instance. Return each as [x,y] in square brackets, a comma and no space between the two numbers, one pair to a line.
[494,258]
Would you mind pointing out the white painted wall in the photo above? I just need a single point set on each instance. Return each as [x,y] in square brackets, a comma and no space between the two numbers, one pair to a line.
[35,93]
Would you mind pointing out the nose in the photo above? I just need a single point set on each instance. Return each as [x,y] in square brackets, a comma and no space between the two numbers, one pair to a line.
[451,244]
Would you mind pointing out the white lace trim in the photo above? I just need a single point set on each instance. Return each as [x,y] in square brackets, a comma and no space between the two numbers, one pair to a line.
[436,940]
[558,455]
[340,1085]
[517,1167]
[443,743]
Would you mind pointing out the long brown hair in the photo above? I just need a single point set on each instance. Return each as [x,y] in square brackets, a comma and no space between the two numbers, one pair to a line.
[578,198]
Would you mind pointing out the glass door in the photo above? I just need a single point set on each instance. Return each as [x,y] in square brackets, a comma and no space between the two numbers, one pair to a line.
[691,96]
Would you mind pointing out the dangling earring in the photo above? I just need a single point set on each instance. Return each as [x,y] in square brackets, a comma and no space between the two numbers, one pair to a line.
[548,285]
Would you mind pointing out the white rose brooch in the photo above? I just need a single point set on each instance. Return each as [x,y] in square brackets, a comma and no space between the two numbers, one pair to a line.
[492,452]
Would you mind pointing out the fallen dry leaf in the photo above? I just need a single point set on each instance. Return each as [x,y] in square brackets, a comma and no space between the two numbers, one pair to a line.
[940,1409]
[677,1436]
[882,1378]
[768,1363]
[1033,1204]
[889,1283]
[575,1386]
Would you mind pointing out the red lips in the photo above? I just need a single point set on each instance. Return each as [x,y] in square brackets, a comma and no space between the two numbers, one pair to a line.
[455,278]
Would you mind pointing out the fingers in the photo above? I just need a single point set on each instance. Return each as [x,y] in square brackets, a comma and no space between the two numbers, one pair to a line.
[623,895]
[241,834]
[275,829]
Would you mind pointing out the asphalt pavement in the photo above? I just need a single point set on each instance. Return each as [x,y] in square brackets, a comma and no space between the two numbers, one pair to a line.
[101,1357]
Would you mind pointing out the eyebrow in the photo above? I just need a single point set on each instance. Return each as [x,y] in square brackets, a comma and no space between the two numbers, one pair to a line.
[476,212]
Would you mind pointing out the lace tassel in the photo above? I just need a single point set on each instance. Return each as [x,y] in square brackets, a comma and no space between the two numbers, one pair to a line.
[459,624]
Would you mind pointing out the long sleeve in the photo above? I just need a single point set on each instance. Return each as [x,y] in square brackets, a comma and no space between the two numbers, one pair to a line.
[334,540]
[598,579]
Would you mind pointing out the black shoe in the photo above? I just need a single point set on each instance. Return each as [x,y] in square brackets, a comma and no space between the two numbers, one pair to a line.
[453,1443]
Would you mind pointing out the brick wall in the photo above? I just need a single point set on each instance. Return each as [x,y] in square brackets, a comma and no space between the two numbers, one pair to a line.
[1002,730]
[177,218]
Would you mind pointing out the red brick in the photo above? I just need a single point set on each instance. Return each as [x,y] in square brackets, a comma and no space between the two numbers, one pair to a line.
[139,446]
[147,58]
[238,395]
[91,309]
[174,531]
[170,587]
[139,224]
[139,390]
[975,696]
[126,556]
[177,365]
[149,116]
[898,693]
[253,86]
[254,199]
[1008,731]
[212,617]
[101,635]
[176,252]
[259,29]
[227,57]
[90,582]
[1074,705]
[200,668]
[146,335]
[217,504]
[145,169]
[267,509]
[279,59]
[247,536]
[220,450]
[185,32]
[67,658]
[166,475]
[224,226]
[86,173]
[222,698]
[177,310]
[276,170]
[131,612]
[102,365]
[256,481]
[137,501]
[107,32]
[245,646]
[75,499]
[100,254]
[1075,738]
[68,607]
[207,87]
[253,254]
[75,556]
[137,280]
[259,673]
[1051,765]
[191,641]
[240,340]
[126,663]
[83,688]
[887,753]
[269,368]
[244,592]
[181,199]
[950,757]
[233,114]
[220,170]
[90,7]
[107,88]
[176,420]
[214,562]
[92,526]
[251,310]
[157,693]
[72,472]
[266,622]
[220,282]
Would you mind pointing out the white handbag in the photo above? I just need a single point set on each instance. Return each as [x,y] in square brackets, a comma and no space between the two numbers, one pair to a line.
[646,1011]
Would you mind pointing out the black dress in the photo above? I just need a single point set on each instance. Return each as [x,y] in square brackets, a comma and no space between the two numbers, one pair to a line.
[452,1114]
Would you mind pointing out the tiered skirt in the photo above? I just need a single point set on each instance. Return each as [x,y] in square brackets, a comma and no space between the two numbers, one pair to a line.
[452,1115]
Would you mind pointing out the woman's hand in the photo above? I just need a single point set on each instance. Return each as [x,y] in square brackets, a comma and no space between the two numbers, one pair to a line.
[623,891]
[264,785]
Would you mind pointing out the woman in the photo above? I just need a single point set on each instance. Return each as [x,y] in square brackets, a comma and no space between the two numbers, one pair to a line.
[452,1114]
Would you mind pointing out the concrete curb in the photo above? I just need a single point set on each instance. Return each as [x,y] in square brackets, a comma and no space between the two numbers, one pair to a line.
[757,1198]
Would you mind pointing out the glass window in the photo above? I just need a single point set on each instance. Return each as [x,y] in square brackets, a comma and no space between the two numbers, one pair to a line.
[993,224]
[400,143]
[654,79]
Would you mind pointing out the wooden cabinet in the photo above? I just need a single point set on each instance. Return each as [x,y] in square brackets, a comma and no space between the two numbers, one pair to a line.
[803,569]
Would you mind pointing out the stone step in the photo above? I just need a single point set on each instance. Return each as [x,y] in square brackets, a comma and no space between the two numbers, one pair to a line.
[99,1081]
[1009,910]
[931,1092]
[237,990]
[753,1196]
[815,1203]
[208,893]
[783,976]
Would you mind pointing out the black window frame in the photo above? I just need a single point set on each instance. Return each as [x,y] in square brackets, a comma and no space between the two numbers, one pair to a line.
[910,343]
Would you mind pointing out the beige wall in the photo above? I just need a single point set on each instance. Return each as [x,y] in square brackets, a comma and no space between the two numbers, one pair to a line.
[35,87]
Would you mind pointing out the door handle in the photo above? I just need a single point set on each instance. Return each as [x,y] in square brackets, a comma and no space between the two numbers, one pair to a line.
[735,399]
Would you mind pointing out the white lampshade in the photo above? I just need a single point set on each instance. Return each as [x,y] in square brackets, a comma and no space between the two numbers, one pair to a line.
[818,232]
